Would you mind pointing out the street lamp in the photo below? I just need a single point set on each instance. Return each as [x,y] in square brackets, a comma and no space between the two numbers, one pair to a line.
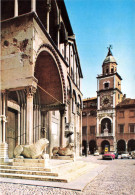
[87,142]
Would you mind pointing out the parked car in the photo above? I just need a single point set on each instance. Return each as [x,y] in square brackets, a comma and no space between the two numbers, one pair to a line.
[96,153]
[133,154]
[108,155]
[125,155]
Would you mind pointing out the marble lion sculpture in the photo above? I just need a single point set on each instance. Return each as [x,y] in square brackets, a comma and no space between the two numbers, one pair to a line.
[66,151]
[33,151]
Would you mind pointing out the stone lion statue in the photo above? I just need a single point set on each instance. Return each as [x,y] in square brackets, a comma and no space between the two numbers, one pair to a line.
[31,151]
[66,151]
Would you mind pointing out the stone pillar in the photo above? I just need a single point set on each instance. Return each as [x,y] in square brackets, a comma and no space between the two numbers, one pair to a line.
[39,123]
[97,126]
[62,127]
[29,123]
[3,145]
[50,132]
[58,35]
[1,118]
[80,133]
[15,8]
[33,5]
[126,146]
[19,128]
[34,123]
[114,120]
[48,9]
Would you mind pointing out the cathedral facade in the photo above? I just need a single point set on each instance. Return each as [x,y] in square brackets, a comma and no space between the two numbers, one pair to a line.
[40,76]
[109,118]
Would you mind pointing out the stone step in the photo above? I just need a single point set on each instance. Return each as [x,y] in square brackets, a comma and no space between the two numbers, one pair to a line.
[63,172]
[71,166]
[25,168]
[33,177]
[71,175]
[28,172]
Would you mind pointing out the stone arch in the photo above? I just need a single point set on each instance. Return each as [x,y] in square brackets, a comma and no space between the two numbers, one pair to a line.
[131,145]
[92,146]
[48,48]
[104,118]
[121,146]
[106,124]
[104,144]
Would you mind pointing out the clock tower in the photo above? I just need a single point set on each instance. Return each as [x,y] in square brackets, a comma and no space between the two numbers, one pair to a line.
[108,96]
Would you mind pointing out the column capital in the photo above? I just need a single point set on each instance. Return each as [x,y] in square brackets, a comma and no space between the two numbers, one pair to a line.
[48,5]
[30,90]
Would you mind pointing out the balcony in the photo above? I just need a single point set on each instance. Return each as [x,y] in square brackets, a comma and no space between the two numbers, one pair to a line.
[105,135]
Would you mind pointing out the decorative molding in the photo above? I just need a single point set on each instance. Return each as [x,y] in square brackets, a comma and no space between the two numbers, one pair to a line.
[30,90]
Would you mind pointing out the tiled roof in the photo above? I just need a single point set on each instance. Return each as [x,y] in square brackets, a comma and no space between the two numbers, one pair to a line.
[87,99]
[126,102]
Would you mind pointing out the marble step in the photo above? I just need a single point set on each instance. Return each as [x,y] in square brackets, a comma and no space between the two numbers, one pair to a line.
[72,175]
[25,168]
[33,177]
[28,172]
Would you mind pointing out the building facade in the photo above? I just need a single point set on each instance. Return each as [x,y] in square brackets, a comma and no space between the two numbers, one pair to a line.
[113,121]
[40,76]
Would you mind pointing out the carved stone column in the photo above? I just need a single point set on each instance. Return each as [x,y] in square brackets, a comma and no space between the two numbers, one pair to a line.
[58,34]
[3,120]
[48,9]
[29,120]
[62,127]
[15,8]
[33,5]
[50,132]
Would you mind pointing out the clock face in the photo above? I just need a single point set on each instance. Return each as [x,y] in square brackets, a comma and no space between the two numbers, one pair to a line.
[106,101]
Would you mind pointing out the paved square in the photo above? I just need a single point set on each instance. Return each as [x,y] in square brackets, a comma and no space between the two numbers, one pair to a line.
[118,178]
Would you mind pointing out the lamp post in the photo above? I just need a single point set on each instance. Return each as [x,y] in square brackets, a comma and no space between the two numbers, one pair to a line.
[87,142]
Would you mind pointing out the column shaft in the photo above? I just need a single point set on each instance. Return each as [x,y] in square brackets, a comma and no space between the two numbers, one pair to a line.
[29,123]
[62,129]
[33,5]
[50,132]
[15,8]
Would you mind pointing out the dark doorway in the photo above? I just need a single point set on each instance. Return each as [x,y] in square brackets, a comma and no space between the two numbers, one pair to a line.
[84,146]
[104,144]
[131,145]
[92,146]
[12,132]
[121,146]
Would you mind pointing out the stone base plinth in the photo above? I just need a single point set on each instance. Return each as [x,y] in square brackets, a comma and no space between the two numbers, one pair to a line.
[62,157]
[26,162]
[4,153]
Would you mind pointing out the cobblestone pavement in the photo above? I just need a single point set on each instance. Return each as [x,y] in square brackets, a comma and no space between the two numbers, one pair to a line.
[117,179]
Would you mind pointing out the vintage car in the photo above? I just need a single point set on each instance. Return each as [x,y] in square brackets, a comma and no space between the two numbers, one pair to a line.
[108,155]
[125,155]
[96,153]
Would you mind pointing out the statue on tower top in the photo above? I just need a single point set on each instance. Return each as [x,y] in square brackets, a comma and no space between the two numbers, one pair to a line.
[109,50]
